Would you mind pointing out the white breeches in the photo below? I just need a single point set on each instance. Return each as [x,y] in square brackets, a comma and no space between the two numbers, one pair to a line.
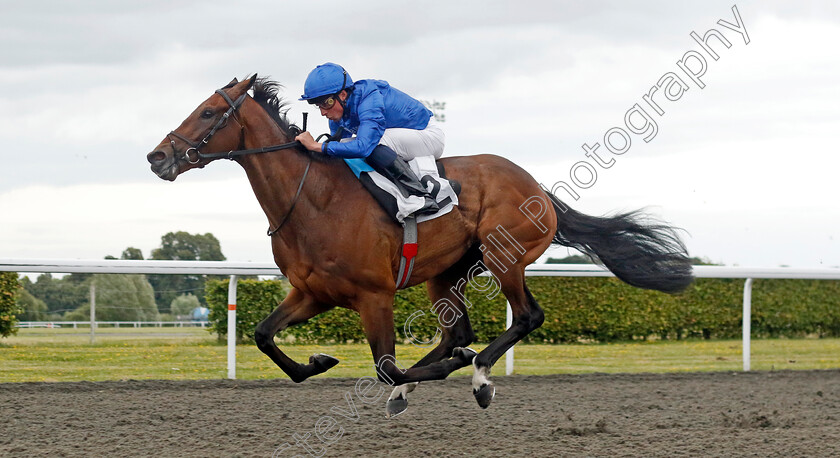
[411,143]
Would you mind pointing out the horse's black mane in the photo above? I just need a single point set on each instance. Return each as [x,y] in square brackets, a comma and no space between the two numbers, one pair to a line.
[266,94]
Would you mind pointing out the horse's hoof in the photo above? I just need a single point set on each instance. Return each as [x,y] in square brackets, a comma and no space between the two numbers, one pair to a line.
[465,354]
[485,395]
[322,362]
[395,407]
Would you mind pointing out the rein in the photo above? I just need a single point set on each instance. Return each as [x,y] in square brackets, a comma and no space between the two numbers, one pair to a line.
[271,232]
[234,106]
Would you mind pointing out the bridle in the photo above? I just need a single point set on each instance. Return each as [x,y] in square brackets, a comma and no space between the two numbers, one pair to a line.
[221,123]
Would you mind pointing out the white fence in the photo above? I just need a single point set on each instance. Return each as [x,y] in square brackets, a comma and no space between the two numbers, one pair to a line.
[116,324]
[249,268]
[746,273]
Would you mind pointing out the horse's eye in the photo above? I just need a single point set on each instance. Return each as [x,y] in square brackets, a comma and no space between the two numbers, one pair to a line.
[207,113]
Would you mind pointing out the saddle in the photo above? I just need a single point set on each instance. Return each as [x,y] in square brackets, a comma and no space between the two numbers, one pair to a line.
[401,209]
[387,194]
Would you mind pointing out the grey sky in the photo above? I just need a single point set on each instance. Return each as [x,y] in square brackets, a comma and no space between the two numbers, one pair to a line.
[745,165]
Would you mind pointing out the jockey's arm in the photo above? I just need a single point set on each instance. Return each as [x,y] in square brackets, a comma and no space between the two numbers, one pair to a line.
[371,114]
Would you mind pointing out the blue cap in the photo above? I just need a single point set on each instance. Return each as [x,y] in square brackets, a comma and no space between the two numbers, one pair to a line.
[324,80]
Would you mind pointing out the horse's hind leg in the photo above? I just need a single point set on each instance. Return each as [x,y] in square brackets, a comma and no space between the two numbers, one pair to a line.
[527,316]
[376,311]
[506,253]
[456,331]
[296,308]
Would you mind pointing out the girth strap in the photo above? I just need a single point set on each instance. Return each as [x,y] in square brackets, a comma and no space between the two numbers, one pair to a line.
[409,251]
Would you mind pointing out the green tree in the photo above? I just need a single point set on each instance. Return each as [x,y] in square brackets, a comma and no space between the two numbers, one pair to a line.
[32,308]
[120,297]
[128,253]
[132,253]
[8,304]
[183,305]
[182,246]
[60,294]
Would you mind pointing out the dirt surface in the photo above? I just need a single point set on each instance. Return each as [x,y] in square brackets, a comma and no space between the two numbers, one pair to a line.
[709,414]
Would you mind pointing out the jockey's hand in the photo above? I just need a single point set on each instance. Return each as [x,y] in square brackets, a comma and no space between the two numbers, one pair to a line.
[305,139]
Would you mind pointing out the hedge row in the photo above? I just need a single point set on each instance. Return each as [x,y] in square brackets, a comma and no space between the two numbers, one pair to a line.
[576,309]
[8,303]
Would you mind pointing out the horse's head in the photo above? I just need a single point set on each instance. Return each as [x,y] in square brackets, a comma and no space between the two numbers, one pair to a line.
[211,128]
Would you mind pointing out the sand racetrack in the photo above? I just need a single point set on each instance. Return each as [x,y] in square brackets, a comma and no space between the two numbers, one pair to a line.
[708,414]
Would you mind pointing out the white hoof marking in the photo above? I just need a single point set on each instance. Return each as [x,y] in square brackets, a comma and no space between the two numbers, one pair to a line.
[402,391]
[480,376]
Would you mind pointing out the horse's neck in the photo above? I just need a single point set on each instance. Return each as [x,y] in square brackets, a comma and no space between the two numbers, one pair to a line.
[275,177]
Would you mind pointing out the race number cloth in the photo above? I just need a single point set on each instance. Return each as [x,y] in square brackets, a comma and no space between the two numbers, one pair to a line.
[391,199]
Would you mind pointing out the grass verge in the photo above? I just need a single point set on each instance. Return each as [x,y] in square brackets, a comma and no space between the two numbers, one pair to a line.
[57,355]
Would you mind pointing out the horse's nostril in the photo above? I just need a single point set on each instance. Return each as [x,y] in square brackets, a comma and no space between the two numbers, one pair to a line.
[156,156]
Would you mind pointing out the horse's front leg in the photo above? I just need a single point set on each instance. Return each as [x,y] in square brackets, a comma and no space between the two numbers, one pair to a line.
[296,308]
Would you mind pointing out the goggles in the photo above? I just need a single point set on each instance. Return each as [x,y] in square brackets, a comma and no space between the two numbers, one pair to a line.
[326,104]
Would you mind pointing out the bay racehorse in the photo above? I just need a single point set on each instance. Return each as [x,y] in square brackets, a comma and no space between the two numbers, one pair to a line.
[339,249]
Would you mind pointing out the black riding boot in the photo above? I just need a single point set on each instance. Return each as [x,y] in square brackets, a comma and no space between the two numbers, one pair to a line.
[403,176]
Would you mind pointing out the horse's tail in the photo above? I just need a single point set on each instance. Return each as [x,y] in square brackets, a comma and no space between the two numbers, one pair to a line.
[638,250]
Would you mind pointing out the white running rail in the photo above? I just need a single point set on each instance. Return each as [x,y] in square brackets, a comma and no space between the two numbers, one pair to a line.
[115,324]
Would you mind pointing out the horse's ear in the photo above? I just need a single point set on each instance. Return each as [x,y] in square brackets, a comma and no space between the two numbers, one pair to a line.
[252,81]
[232,83]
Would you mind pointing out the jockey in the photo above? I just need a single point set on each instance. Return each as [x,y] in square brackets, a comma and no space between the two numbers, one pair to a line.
[376,122]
